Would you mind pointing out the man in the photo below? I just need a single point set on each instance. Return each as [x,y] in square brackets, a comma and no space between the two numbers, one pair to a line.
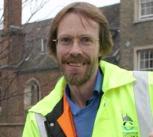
[93,98]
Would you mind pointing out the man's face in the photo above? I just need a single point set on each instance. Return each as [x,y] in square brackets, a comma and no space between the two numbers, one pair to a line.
[78,48]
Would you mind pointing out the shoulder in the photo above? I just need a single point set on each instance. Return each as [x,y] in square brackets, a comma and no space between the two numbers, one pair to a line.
[47,104]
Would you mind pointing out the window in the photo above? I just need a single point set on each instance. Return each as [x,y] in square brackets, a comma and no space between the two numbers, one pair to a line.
[43,46]
[144,59]
[31,93]
[143,10]
[146,8]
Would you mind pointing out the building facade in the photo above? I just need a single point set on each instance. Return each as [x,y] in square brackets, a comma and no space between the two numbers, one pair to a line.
[136,39]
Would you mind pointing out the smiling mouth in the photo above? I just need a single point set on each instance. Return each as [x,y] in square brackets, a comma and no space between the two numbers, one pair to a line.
[75,64]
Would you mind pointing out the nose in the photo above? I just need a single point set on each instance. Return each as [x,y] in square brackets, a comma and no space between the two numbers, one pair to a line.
[75,48]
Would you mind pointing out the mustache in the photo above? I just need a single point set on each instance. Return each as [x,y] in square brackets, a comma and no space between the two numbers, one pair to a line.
[76,59]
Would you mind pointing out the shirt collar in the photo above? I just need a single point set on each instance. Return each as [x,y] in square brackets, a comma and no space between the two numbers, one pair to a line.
[98,82]
[97,87]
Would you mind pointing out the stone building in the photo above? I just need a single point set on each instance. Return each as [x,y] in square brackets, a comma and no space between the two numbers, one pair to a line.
[136,29]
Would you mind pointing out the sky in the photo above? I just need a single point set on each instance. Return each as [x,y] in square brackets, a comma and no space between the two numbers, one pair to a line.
[51,8]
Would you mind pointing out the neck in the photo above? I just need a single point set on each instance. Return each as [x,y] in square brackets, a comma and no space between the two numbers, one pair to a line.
[80,94]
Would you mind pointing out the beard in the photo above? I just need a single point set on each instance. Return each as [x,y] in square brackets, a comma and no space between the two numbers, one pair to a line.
[89,67]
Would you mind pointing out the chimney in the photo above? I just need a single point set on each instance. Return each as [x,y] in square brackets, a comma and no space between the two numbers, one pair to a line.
[12,14]
[13,35]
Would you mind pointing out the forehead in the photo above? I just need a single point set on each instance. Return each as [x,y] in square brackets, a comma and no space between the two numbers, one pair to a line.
[77,23]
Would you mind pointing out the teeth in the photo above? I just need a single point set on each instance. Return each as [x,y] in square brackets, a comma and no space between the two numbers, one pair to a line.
[74,64]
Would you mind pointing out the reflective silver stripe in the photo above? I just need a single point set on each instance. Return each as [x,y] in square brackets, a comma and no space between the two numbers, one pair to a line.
[40,122]
[142,101]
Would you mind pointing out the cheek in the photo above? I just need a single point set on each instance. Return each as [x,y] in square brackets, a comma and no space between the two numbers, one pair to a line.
[95,52]
[60,52]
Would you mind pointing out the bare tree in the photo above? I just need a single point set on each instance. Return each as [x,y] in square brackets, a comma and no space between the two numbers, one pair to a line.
[34,6]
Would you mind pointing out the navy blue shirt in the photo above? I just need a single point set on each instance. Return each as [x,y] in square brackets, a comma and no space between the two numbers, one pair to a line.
[84,117]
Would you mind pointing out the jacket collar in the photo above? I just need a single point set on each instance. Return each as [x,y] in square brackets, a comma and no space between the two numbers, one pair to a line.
[115,76]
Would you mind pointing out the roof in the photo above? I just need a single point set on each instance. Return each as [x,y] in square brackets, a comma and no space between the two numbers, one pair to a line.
[112,14]
[36,58]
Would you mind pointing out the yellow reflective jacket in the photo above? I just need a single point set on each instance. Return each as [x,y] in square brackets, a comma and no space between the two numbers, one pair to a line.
[116,115]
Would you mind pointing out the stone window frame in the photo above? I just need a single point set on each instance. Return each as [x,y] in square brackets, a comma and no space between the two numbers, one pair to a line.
[28,95]
[146,60]
[137,15]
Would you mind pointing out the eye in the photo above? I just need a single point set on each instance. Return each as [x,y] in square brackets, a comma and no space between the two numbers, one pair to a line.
[86,40]
[65,40]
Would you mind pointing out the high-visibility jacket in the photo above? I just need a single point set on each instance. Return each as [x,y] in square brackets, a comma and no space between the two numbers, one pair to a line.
[125,108]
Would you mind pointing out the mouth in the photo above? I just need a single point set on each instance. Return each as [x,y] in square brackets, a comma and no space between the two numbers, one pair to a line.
[76,64]
[76,61]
